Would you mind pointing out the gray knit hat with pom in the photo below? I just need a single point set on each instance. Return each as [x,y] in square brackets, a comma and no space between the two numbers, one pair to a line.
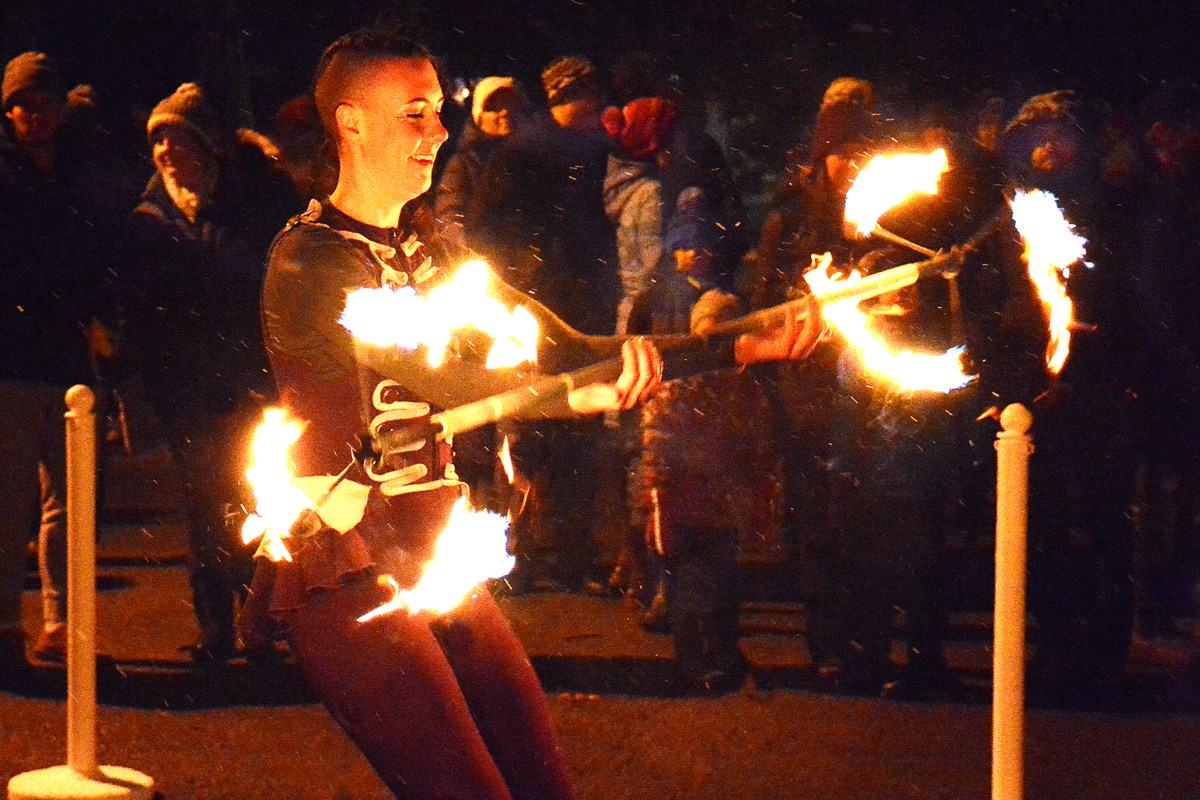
[186,106]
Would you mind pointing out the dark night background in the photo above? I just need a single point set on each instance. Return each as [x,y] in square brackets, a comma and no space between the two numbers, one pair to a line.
[756,66]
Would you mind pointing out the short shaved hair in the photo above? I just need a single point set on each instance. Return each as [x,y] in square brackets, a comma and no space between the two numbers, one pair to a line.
[344,61]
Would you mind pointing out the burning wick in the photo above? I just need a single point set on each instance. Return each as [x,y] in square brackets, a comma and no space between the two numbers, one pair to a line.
[277,502]
[886,182]
[471,549]
[909,370]
[1051,247]
[515,479]
[401,317]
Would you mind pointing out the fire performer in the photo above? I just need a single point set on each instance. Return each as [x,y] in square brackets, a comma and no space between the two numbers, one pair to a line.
[1088,409]
[442,706]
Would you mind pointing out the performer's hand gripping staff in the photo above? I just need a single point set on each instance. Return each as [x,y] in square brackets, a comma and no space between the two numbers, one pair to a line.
[786,331]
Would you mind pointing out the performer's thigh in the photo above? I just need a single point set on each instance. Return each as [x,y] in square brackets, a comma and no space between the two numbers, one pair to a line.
[505,698]
[387,683]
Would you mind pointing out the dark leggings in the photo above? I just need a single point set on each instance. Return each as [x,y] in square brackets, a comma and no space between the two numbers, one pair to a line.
[441,708]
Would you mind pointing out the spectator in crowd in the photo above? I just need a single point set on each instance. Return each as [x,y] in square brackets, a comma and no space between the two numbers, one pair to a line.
[538,216]
[1161,249]
[689,267]
[498,106]
[706,486]
[58,242]
[688,157]
[634,202]
[302,151]
[713,219]
[1087,417]
[669,248]
[539,211]
[198,242]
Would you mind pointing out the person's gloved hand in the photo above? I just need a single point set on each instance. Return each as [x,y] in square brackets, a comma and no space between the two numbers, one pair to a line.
[794,340]
[641,373]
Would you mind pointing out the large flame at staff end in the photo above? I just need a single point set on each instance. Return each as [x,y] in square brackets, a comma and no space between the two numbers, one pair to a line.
[888,180]
[471,549]
[277,502]
[400,317]
[908,370]
[1051,247]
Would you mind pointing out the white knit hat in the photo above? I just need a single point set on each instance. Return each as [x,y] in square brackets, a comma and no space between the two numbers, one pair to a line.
[488,87]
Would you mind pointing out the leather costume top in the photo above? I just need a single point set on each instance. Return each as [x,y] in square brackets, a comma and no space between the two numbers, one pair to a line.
[318,258]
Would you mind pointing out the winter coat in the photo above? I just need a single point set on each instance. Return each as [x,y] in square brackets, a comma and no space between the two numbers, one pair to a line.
[460,181]
[190,291]
[59,242]
[694,159]
[709,463]
[633,201]
[538,217]
[691,260]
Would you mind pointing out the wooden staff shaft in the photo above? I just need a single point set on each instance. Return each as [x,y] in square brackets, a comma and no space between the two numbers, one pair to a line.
[675,351]
[895,238]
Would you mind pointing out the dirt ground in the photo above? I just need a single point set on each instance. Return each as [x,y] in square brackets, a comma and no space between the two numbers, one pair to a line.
[778,739]
[755,745]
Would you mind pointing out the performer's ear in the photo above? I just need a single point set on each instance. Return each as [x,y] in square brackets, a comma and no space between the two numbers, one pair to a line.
[349,119]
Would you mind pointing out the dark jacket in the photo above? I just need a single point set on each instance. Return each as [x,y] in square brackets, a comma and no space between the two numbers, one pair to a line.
[59,242]
[709,462]
[190,291]
[539,219]
[461,180]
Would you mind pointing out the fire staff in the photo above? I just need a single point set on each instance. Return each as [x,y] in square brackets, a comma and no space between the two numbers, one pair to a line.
[442,706]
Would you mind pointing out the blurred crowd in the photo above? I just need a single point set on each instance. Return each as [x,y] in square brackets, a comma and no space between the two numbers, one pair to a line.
[604,196]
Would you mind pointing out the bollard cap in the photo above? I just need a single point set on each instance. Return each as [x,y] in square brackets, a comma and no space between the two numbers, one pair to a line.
[80,399]
[1016,418]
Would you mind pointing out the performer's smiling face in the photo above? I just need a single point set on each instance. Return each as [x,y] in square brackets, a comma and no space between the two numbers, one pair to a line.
[400,104]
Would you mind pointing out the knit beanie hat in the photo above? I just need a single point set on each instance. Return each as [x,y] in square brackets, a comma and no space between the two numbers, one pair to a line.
[845,117]
[642,126]
[30,72]
[488,87]
[570,78]
[1060,107]
[186,106]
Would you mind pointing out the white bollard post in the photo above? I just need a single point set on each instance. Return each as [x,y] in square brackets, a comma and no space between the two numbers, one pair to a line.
[81,581]
[1013,448]
[81,777]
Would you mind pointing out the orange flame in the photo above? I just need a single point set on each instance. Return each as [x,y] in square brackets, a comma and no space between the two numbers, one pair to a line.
[516,480]
[889,180]
[471,549]
[507,462]
[909,370]
[1051,247]
[400,317]
[277,502]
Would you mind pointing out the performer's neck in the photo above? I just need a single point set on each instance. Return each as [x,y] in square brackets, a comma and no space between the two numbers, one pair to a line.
[361,201]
